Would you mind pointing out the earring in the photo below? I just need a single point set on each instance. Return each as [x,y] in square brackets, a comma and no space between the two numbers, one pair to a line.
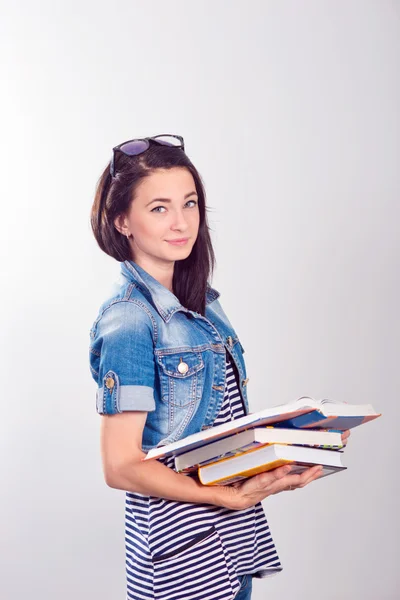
[128,235]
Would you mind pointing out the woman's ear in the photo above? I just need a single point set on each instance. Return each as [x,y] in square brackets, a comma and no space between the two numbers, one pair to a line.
[120,224]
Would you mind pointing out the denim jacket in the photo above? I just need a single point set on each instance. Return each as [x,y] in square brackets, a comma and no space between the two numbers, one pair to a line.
[150,353]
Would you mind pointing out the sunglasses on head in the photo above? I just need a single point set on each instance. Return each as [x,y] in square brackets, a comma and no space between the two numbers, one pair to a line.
[135,147]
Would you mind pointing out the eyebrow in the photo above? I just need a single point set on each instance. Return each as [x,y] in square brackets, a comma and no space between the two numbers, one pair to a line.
[168,199]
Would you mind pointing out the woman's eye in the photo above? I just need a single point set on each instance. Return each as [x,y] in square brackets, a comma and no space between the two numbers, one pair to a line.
[156,208]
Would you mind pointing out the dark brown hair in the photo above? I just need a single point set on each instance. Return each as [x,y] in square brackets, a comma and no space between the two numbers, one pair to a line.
[113,197]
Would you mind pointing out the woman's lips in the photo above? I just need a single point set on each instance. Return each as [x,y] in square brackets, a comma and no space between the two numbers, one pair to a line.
[180,242]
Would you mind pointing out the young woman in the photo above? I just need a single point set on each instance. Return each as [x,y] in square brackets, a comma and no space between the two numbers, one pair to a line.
[168,363]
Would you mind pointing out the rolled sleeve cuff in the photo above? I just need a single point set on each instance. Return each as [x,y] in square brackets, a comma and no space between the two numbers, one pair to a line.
[129,397]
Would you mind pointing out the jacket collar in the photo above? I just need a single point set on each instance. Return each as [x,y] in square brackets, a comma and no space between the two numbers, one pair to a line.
[164,300]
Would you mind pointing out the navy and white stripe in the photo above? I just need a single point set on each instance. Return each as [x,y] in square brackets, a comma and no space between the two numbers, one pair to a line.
[188,551]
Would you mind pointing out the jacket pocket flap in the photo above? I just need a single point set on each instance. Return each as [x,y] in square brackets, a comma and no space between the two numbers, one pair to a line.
[181,364]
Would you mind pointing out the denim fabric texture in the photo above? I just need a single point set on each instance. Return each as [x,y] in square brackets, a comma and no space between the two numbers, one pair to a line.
[150,353]
[246,586]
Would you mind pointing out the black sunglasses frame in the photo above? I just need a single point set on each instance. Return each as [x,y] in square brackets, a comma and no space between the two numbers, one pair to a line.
[146,139]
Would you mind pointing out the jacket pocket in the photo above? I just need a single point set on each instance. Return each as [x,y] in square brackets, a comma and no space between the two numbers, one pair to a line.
[181,377]
[195,569]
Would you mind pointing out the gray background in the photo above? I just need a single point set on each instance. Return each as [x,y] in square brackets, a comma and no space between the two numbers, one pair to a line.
[290,112]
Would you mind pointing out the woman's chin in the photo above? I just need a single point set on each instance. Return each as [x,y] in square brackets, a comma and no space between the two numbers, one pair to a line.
[179,253]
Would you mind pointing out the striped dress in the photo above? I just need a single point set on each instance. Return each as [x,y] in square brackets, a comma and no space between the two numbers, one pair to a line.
[184,551]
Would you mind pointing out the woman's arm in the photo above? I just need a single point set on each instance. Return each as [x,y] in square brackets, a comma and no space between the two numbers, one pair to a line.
[121,443]
[121,437]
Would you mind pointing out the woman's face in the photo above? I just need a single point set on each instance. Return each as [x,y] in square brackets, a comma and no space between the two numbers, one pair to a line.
[165,208]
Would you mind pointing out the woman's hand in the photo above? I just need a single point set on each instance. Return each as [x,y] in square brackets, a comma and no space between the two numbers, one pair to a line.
[248,492]
[345,436]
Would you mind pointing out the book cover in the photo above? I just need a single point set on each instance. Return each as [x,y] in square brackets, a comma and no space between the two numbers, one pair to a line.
[315,413]
[266,458]
[240,443]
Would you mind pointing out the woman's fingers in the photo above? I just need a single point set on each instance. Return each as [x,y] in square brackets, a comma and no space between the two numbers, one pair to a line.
[249,491]
[345,436]
[262,482]
[314,473]
[301,480]
[254,489]
[281,478]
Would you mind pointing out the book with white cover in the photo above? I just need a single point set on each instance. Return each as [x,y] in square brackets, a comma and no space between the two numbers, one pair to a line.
[254,438]
[305,412]
[266,458]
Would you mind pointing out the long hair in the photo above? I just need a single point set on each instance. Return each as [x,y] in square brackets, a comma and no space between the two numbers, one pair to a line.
[113,197]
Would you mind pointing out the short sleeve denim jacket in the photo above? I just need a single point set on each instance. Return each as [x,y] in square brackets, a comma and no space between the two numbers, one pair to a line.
[150,353]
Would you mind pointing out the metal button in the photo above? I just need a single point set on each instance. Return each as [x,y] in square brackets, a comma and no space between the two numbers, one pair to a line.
[244,382]
[229,341]
[183,367]
[110,383]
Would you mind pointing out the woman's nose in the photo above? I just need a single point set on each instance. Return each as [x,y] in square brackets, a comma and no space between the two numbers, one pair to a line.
[179,221]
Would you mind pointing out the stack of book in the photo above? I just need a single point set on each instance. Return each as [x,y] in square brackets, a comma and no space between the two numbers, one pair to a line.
[303,433]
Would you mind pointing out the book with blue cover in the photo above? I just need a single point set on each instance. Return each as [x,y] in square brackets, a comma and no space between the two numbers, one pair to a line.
[303,413]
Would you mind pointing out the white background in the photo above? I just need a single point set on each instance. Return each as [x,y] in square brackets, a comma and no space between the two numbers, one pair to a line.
[290,111]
